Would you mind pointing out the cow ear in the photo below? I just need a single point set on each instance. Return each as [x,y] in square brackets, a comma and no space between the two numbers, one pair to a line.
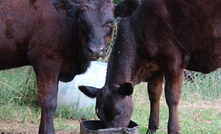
[125,89]
[65,8]
[127,8]
[89,91]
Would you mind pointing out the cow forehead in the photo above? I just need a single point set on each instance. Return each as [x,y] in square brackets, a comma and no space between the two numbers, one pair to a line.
[96,4]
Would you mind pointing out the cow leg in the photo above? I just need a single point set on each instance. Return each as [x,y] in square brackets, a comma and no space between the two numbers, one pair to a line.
[173,86]
[155,91]
[47,82]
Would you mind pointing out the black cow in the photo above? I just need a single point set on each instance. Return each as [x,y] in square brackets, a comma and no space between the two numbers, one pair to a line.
[33,33]
[158,42]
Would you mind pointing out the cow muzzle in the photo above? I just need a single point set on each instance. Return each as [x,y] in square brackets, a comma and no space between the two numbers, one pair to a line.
[95,52]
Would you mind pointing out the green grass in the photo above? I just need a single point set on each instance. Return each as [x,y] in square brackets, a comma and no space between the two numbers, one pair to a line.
[72,112]
[20,113]
[18,86]
[199,117]
[204,87]
[199,109]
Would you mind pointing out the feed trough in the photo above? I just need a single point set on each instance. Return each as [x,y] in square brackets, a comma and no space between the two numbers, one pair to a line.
[95,127]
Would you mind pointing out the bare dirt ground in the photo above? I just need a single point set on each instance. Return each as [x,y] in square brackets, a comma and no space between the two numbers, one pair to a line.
[16,127]
[203,105]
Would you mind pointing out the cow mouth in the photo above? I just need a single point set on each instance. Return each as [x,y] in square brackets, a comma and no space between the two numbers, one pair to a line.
[92,58]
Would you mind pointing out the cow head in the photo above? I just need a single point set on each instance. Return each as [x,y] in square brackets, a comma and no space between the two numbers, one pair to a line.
[114,104]
[95,20]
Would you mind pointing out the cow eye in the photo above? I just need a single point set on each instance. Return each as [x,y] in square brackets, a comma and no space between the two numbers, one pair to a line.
[119,112]
[81,22]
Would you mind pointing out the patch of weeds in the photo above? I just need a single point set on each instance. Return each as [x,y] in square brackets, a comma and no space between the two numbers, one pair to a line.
[73,111]
[6,113]
[143,130]
[18,86]
[63,124]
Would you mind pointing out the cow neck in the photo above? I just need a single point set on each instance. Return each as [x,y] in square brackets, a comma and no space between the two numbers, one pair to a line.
[120,67]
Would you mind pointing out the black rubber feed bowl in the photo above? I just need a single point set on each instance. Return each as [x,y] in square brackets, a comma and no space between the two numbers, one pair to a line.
[95,127]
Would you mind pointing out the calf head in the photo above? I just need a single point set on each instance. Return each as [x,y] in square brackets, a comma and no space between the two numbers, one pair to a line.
[95,20]
[114,104]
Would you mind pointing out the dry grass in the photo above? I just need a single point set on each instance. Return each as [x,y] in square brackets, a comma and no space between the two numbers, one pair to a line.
[190,115]
[16,127]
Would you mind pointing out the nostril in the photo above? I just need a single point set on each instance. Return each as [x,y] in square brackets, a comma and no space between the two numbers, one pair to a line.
[102,49]
[91,50]
[96,50]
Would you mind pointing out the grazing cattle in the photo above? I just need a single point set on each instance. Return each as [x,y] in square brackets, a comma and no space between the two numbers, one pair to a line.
[57,46]
[157,43]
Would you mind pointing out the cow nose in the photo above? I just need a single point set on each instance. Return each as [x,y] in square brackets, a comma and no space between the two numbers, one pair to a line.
[97,51]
